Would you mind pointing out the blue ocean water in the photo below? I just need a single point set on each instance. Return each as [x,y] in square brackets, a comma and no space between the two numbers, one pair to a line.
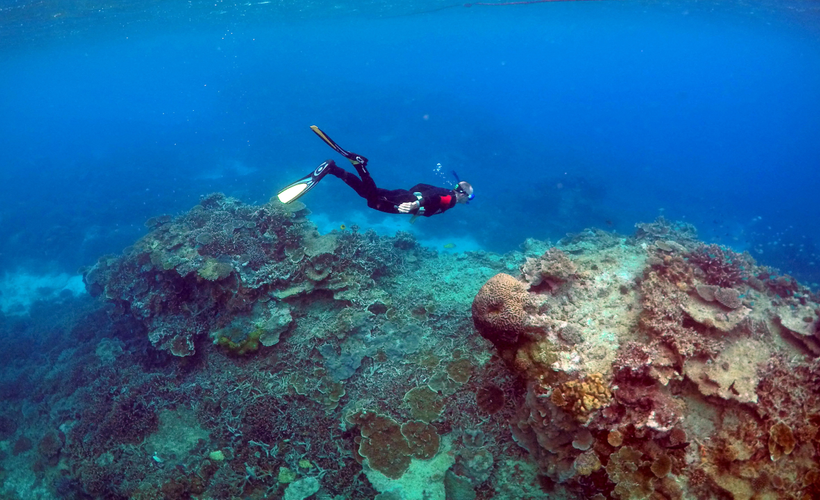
[563,116]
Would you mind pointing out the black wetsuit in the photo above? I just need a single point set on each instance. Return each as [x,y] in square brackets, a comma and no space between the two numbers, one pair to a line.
[434,200]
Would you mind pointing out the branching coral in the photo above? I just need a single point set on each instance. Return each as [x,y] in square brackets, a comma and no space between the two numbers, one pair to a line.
[663,317]
[664,229]
[721,266]
[8,427]
[129,420]
[644,400]
[586,463]
[782,286]
[787,391]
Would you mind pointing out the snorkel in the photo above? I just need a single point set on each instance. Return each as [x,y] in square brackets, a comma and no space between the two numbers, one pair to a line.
[463,187]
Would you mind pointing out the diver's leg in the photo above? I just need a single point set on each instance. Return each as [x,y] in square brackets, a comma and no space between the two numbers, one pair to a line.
[367,181]
[365,187]
[351,180]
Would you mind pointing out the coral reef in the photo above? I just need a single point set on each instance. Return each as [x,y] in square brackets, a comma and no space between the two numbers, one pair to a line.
[695,401]
[235,352]
[191,276]
[549,271]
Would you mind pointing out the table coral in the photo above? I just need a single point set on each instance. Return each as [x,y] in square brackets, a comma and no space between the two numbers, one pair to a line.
[803,324]
[383,444]
[50,445]
[733,374]
[460,370]
[714,316]
[490,399]
[424,403]
[662,466]
[422,439]
[475,464]
[319,387]
[214,270]
[729,297]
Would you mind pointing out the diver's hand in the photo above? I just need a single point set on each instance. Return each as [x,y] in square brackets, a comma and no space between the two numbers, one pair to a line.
[408,206]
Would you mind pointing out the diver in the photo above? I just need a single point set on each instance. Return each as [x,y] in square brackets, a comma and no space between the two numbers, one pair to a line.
[420,200]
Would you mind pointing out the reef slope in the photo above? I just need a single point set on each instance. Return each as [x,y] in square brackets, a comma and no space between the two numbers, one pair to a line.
[234,352]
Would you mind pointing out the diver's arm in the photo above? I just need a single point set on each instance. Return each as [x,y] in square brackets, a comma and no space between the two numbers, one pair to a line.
[425,204]
[408,207]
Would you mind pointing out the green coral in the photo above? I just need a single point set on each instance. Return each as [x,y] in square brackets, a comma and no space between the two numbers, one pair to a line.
[235,341]
[246,333]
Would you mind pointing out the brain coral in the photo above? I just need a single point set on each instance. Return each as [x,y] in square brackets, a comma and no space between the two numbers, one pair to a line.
[499,310]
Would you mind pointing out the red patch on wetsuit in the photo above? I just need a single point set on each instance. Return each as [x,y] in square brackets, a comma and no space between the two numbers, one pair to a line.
[445,200]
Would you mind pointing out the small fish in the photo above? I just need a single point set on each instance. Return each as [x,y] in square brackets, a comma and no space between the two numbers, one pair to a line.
[450,246]
[342,227]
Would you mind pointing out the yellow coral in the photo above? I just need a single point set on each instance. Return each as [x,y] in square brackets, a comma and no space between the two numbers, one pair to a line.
[582,397]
